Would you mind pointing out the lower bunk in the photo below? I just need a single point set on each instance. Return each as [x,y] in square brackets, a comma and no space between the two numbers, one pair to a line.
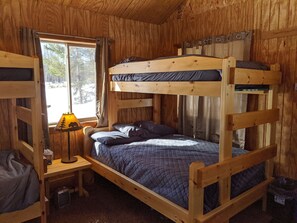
[19,189]
[177,175]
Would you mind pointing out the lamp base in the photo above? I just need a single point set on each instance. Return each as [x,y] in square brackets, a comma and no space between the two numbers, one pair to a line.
[69,160]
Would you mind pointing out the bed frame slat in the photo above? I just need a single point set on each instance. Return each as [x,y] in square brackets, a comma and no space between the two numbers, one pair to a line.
[250,119]
[168,65]
[224,212]
[24,114]
[250,76]
[226,168]
[135,103]
[15,60]
[204,88]
[26,150]
[17,89]
[26,214]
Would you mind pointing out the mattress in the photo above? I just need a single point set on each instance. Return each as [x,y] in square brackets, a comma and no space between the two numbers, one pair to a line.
[19,184]
[198,75]
[162,165]
[16,74]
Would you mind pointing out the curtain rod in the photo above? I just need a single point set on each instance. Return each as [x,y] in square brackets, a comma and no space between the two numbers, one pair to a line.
[69,36]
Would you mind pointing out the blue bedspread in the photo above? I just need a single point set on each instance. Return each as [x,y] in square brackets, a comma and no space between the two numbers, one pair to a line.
[162,165]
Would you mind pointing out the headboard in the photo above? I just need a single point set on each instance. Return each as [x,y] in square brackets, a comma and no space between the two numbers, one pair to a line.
[114,106]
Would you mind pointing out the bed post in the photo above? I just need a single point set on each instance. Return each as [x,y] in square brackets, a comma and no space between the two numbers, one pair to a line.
[157,108]
[14,123]
[270,130]
[37,137]
[112,109]
[227,107]
[196,193]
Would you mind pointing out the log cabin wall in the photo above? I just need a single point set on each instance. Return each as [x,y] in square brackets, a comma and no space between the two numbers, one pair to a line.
[275,37]
[130,38]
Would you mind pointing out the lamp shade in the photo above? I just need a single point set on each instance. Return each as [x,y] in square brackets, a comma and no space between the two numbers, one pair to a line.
[68,122]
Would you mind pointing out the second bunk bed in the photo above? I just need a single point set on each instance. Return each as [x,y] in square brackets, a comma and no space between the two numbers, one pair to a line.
[22,165]
[200,175]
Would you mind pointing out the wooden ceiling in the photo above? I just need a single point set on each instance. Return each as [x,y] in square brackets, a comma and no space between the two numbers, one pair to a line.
[150,11]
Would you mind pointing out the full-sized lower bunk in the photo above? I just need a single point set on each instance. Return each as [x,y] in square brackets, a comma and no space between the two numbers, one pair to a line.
[211,170]
[21,166]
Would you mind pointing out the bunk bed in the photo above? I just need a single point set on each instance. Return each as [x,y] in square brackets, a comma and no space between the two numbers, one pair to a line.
[200,175]
[20,79]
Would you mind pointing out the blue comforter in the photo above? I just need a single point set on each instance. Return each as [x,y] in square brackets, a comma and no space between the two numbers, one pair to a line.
[162,165]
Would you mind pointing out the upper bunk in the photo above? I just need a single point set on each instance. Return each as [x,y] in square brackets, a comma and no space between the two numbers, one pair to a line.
[18,75]
[19,78]
[207,82]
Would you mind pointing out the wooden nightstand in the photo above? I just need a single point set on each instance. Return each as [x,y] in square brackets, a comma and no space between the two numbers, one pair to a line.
[58,168]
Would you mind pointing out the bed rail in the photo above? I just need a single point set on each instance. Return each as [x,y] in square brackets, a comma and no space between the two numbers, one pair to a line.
[26,214]
[205,88]
[251,119]
[251,76]
[17,89]
[15,60]
[224,212]
[213,173]
[201,176]
[168,65]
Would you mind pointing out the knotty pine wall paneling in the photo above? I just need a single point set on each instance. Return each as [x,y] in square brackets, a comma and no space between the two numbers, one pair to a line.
[130,38]
[274,23]
[134,38]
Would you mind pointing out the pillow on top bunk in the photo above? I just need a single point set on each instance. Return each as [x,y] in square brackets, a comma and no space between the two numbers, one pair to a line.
[251,65]
[132,59]
[113,138]
[157,129]
[131,131]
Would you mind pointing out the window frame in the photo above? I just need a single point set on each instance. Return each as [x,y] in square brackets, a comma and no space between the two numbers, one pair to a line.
[68,42]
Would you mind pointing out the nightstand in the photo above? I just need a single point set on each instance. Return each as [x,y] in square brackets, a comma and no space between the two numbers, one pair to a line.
[57,168]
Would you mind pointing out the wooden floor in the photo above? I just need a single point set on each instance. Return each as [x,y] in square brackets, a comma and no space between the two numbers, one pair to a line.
[109,204]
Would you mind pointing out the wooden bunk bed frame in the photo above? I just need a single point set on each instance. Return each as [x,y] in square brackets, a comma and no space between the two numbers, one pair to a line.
[200,176]
[12,90]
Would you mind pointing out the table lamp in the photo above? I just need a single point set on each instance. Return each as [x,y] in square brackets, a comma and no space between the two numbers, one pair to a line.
[68,122]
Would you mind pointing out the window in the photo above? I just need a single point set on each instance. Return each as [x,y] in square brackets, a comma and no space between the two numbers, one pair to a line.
[70,79]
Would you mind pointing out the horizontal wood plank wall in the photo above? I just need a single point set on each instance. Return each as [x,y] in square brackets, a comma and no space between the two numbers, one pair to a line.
[201,18]
[132,38]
